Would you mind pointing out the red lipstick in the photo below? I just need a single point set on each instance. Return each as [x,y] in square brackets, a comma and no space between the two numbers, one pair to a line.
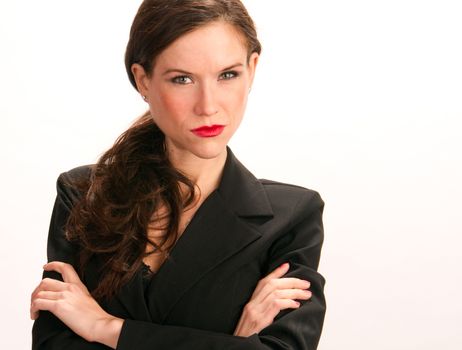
[208,131]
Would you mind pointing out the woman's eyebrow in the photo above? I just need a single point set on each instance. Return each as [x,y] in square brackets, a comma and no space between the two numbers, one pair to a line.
[177,70]
[233,66]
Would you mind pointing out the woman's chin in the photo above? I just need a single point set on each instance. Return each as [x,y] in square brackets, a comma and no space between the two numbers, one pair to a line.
[204,149]
[209,150]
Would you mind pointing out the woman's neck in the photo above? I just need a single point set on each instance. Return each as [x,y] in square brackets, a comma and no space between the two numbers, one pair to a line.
[204,173]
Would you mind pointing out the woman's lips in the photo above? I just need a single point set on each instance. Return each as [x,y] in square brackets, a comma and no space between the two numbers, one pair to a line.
[208,131]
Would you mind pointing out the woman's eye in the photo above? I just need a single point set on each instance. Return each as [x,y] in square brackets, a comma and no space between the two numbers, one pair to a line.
[229,75]
[182,79]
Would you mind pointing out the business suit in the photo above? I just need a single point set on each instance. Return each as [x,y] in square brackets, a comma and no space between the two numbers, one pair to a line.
[242,231]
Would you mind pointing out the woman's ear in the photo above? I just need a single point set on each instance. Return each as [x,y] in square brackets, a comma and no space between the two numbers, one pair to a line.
[253,61]
[141,78]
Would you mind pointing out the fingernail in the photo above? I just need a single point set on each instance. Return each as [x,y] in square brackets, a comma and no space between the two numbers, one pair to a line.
[284,265]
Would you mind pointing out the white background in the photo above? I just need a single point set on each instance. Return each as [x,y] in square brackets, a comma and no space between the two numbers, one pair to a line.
[360,100]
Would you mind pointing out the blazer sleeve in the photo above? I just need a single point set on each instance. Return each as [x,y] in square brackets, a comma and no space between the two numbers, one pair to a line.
[48,332]
[298,329]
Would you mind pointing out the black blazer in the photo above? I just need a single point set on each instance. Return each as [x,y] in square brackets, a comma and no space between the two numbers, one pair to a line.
[243,230]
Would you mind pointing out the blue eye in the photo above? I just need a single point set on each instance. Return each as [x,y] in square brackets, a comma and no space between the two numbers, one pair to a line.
[181,79]
[229,75]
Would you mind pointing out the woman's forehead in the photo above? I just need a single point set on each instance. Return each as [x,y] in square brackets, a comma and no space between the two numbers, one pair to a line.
[213,46]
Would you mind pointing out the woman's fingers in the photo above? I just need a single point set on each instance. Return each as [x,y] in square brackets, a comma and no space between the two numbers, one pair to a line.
[49,295]
[277,284]
[272,294]
[281,299]
[50,290]
[258,315]
[287,283]
[66,270]
[47,284]
[71,302]
[43,299]
[294,294]
[50,284]
[278,272]
[282,304]
[40,304]
[275,274]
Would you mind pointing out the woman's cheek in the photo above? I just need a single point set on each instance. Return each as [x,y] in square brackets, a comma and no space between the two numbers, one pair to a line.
[173,108]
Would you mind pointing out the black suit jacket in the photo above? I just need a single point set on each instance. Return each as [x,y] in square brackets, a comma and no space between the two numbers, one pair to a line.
[242,231]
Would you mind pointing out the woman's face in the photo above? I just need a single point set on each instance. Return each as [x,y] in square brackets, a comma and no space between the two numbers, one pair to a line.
[198,89]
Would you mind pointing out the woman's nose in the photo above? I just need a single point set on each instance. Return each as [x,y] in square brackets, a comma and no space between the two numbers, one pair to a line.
[206,102]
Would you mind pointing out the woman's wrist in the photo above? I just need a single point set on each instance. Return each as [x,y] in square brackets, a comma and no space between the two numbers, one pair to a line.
[107,331]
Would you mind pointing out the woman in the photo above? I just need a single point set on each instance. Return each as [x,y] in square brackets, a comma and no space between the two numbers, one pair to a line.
[168,242]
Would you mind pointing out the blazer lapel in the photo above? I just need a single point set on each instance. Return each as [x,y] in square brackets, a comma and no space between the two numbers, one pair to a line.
[131,300]
[128,302]
[217,232]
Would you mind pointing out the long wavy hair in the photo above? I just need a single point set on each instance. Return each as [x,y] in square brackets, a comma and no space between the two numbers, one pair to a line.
[134,178]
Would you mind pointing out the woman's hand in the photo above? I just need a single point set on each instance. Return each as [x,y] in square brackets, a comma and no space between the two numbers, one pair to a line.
[71,302]
[272,294]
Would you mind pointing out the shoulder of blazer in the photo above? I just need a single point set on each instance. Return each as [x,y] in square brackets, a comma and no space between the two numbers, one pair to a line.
[276,188]
[247,196]
[292,201]
[65,184]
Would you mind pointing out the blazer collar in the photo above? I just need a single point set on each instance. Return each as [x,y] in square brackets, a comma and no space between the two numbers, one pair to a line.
[241,191]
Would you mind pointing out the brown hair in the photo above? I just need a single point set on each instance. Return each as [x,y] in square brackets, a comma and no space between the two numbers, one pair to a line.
[134,177]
